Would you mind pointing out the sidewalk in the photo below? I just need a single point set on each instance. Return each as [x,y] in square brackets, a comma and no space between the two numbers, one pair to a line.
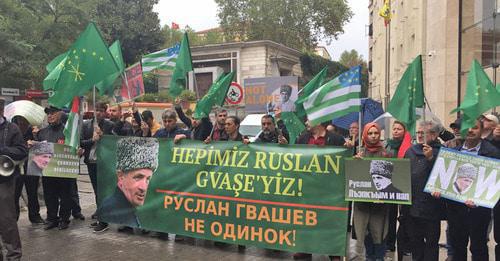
[78,242]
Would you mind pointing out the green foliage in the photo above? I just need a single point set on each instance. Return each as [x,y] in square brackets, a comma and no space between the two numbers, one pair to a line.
[187,95]
[148,97]
[297,24]
[352,58]
[133,23]
[163,96]
[33,32]
[313,64]
[150,81]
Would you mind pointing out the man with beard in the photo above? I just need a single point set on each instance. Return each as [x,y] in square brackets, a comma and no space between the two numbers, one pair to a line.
[91,133]
[121,126]
[269,133]
[219,131]
[468,221]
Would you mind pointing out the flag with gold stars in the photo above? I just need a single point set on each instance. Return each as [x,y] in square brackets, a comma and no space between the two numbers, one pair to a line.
[409,95]
[87,62]
[106,86]
[480,96]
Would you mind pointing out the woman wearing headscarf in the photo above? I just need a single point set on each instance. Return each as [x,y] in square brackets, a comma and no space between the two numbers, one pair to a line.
[396,147]
[371,219]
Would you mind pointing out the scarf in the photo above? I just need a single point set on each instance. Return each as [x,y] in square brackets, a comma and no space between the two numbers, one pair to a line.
[372,148]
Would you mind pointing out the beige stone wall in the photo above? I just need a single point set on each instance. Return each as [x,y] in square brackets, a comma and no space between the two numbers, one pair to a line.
[252,62]
[429,28]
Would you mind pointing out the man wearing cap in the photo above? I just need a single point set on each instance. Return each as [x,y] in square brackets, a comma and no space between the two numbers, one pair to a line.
[136,161]
[42,153]
[466,174]
[381,172]
[56,191]
[490,121]
[457,141]
[285,94]
[468,221]
[12,145]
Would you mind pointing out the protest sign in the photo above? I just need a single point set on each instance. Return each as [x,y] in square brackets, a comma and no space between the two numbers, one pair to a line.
[460,176]
[265,195]
[384,180]
[52,160]
[267,93]
[134,86]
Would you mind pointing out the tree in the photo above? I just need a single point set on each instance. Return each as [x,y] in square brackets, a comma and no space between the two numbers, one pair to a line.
[133,23]
[297,24]
[313,64]
[352,58]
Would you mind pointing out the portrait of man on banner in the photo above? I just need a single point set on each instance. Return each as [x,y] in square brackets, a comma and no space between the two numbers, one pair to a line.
[286,103]
[136,161]
[465,177]
[381,173]
[40,155]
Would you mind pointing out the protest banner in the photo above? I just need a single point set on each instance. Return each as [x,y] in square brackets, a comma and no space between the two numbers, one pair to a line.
[267,93]
[460,176]
[383,180]
[52,160]
[134,86]
[265,195]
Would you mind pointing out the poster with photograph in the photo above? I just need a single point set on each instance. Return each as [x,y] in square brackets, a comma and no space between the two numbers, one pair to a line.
[52,160]
[459,176]
[383,180]
[264,95]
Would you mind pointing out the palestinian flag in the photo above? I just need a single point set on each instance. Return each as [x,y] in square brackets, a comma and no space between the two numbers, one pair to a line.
[72,127]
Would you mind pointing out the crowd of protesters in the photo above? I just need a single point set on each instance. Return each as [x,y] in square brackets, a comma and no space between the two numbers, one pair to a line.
[414,230]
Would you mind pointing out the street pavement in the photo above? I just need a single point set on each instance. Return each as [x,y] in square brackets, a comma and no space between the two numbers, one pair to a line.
[79,242]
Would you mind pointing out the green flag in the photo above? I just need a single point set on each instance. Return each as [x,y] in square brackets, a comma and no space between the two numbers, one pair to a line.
[309,88]
[183,65]
[55,62]
[409,95]
[293,124]
[106,86]
[480,96]
[87,62]
[215,96]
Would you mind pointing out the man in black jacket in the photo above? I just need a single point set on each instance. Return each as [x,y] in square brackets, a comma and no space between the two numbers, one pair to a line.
[269,132]
[91,133]
[318,135]
[200,128]
[57,191]
[30,182]
[12,145]
[468,221]
[121,126]
[423,218]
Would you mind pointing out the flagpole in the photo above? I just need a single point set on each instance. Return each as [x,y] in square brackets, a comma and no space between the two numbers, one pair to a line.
[359,129]
[387,64]
[424,130]
[93,102]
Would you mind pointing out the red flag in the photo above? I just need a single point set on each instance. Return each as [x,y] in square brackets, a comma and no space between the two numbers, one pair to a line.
[175,26]
[405,145]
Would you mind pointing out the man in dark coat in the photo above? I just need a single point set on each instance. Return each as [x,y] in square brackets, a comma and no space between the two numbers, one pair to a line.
[423,217]
[57,191]
[200,128]
[170,128]
[467,221]
[91,133]
[136,161]
[12,145]
[31,183]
